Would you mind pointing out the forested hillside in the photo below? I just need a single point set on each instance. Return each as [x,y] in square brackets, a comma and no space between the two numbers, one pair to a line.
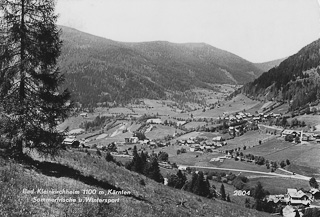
[99,70]
[296,79]
[266,66]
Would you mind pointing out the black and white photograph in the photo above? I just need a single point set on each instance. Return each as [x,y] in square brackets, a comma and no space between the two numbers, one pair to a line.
[159,108]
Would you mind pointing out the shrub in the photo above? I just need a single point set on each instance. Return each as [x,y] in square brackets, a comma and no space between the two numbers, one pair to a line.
[142,182]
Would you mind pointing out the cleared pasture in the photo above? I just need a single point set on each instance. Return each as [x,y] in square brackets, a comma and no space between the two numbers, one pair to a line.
[249,139]
[279,185]
[160,131]
[270,147]
[194,124]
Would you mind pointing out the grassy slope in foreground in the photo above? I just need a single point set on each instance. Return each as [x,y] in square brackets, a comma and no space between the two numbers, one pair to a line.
[78,171]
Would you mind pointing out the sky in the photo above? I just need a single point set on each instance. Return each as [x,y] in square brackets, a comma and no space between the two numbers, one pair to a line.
[256,30]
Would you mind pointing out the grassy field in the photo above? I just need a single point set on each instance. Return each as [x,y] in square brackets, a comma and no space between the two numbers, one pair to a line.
[279,185]
[310,120]
[238,103]
[281,109]
[75,121]
[78,171]
[193,158]
[304,157]
[249,139]
[270,147]
[194,124]
[242,165]
[160,131]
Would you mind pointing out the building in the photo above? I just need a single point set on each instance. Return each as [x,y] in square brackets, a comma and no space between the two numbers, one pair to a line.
[132,139]
[84,114]
[315,193]
[154,121]
[217,139]
[182,168]
[296,197]
[288,132]
[71,142]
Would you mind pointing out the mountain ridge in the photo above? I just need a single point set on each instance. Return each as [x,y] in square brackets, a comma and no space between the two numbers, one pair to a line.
[296,80]
[100,70]
[266,66]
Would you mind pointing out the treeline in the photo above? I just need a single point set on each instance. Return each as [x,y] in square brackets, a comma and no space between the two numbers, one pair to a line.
[291,80]
[97,123]
[140,164]
[113,84]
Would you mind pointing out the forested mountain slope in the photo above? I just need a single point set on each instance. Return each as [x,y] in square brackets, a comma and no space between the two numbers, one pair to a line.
[296,79]
[266,66]
[102,70]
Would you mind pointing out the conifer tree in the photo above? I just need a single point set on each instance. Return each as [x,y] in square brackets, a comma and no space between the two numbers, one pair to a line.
[181,179]
[31,98]
[313,183]
[199,186]
[137,164]
[228,198]
[192,182]
[153,171]
[222,192]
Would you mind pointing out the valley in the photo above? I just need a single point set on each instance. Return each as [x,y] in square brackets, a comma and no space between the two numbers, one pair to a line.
[230,136]
[158,129]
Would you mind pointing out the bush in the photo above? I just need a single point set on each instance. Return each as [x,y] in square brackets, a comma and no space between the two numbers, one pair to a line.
[288,138]
[142,182]
[231,177]
[109,157]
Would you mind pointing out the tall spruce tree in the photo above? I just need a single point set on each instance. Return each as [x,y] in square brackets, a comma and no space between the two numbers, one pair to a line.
[223,192]
[30,95]
[153,171]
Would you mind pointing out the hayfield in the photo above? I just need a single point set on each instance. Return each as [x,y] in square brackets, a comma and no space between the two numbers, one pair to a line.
[243,165]
[279,185]
[194,124]
[75,121]
[193,158]
[270,147]
[79,171]
[160,131]
[310,120]
[304,157]
[237,104]
[249,139]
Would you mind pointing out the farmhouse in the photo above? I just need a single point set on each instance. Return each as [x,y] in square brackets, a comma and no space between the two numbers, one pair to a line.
[132,139]
[71,141]
[154,121]
[288,132]
[308,137]
[84,114]
[182,168]
[217,139]
[297,197]
[275,198]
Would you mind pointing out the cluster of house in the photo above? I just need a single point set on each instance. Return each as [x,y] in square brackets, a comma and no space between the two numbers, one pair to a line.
[147,142]
[247,116]
[222,158]
[295,197]
[195,145]
[304,136]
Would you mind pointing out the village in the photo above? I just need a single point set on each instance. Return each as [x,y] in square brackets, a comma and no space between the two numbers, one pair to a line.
[248,142]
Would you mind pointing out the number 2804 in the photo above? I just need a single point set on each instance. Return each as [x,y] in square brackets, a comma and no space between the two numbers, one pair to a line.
[241,193]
